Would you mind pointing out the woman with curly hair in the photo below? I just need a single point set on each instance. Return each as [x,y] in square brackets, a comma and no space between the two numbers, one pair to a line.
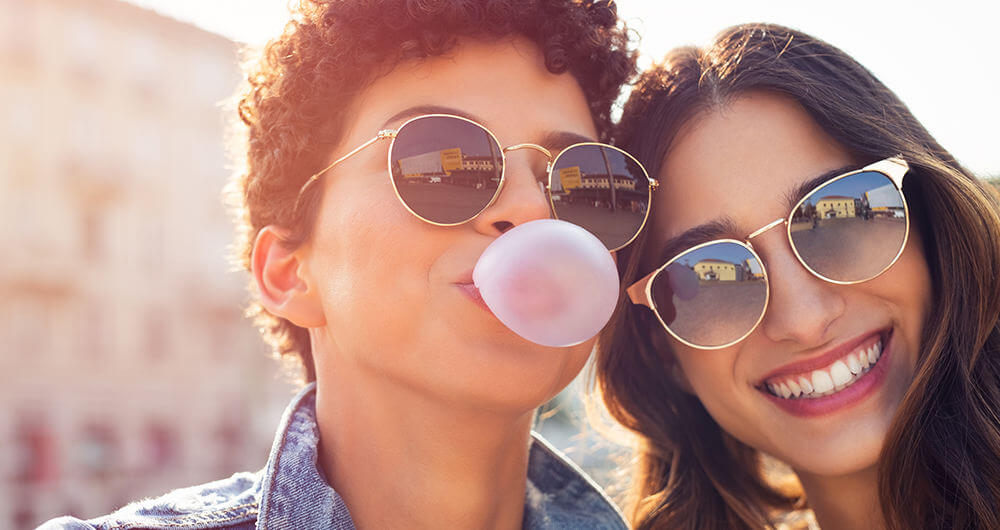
[817,284]
[389,143]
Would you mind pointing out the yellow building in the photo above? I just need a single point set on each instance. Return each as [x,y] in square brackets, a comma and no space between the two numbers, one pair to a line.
[718,270]
[838,206]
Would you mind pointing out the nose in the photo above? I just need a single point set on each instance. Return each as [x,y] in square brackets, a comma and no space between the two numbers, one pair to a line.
[801,306]
[523,197]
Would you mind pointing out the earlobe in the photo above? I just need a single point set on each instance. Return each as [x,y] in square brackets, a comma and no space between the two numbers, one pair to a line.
[285,290]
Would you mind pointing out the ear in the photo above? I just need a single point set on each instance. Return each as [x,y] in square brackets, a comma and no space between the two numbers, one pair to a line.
[285,288]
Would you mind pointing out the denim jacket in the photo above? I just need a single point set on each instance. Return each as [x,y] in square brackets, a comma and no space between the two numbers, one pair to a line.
[290,493]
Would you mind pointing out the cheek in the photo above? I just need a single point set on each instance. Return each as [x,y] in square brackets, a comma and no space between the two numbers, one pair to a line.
[908,286]
[708,374]
[369,250]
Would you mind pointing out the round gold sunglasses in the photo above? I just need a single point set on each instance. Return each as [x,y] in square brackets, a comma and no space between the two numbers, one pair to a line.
[446,170]
[847,230]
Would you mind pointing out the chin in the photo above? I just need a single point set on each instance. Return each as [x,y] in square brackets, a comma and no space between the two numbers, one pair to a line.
[521,378]
[854,449]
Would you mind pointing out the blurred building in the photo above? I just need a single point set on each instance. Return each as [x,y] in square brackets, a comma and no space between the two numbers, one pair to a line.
[126,368]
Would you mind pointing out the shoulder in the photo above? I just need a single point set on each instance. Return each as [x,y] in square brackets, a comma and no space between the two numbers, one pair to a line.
[231,503]
[561,495]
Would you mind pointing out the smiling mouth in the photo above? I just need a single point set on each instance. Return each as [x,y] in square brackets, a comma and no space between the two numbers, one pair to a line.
[831,379]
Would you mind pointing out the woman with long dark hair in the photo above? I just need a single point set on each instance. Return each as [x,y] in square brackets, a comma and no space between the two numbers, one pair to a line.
[817,284]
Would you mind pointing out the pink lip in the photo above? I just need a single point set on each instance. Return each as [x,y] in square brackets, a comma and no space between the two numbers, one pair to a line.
[465,284]
[851,395]
[824,360]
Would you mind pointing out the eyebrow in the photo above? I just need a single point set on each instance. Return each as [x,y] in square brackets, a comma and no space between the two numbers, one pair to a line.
[420,110]
[796,193]
[718,228]
[725,227]
[553,140]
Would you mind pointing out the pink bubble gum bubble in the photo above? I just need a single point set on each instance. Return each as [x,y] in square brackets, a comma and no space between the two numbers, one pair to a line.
[549,281]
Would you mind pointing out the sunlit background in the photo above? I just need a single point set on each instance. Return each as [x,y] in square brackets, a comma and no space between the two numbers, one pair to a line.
[127,368]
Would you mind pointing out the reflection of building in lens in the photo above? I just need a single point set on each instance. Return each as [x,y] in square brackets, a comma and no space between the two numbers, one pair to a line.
[600,181]
[577,186]
[836,206]
[885,201]
[450,166]
[719,270]
[435,164]
[473,163]
[753,269]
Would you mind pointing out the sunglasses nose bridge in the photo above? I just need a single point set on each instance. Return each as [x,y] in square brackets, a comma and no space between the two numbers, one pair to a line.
[536,147]
[765,228]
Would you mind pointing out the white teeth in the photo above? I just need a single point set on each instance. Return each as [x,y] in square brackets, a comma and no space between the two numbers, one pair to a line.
[840,374]
[834,378]
[821,382]
[863,360]
[873,354]
[853,364]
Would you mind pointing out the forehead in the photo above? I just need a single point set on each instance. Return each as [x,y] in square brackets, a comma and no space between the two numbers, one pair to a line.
[741,160]
[504,84]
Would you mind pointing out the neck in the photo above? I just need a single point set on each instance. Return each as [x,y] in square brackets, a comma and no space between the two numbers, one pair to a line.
[403,459]
[846,501]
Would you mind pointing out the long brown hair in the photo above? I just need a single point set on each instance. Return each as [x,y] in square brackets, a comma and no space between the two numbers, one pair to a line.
[940,464]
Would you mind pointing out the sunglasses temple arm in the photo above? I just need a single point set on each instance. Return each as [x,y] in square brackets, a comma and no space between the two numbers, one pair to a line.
[895,167]
[358,149]
[637,291]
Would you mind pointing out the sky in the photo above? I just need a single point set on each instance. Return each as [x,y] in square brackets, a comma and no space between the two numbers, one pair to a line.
[941,58]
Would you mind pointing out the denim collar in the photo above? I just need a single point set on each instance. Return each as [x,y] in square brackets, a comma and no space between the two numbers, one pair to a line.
[295,495]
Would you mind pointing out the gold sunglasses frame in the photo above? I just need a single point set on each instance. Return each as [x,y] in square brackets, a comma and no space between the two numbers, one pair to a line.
[894,168]
[550,165]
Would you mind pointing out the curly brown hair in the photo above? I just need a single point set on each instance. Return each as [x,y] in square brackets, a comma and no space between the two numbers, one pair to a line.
[300,88]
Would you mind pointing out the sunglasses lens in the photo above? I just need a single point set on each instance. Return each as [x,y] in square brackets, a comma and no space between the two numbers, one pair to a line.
[711,296]
[445,169]
[851,229]
[602,189]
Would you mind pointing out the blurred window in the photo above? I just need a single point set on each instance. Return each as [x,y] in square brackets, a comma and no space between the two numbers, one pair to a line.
[94,238]
[231,438]
[161,446]
[35,452]
[145,63]
[83,34]
[96,451]
[20,34]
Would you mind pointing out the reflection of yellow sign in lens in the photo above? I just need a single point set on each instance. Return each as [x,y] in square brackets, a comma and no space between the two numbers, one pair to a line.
[451,159]
[570,177]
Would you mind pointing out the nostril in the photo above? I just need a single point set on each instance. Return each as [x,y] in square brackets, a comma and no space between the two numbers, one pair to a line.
[503,226]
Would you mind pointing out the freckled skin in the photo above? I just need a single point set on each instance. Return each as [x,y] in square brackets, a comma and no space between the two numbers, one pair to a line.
[740,161]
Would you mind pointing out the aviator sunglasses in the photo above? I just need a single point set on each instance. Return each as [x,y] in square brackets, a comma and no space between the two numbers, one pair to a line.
[447,169]
[848,230]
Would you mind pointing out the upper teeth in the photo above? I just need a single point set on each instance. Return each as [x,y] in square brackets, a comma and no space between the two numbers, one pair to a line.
[839,375]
